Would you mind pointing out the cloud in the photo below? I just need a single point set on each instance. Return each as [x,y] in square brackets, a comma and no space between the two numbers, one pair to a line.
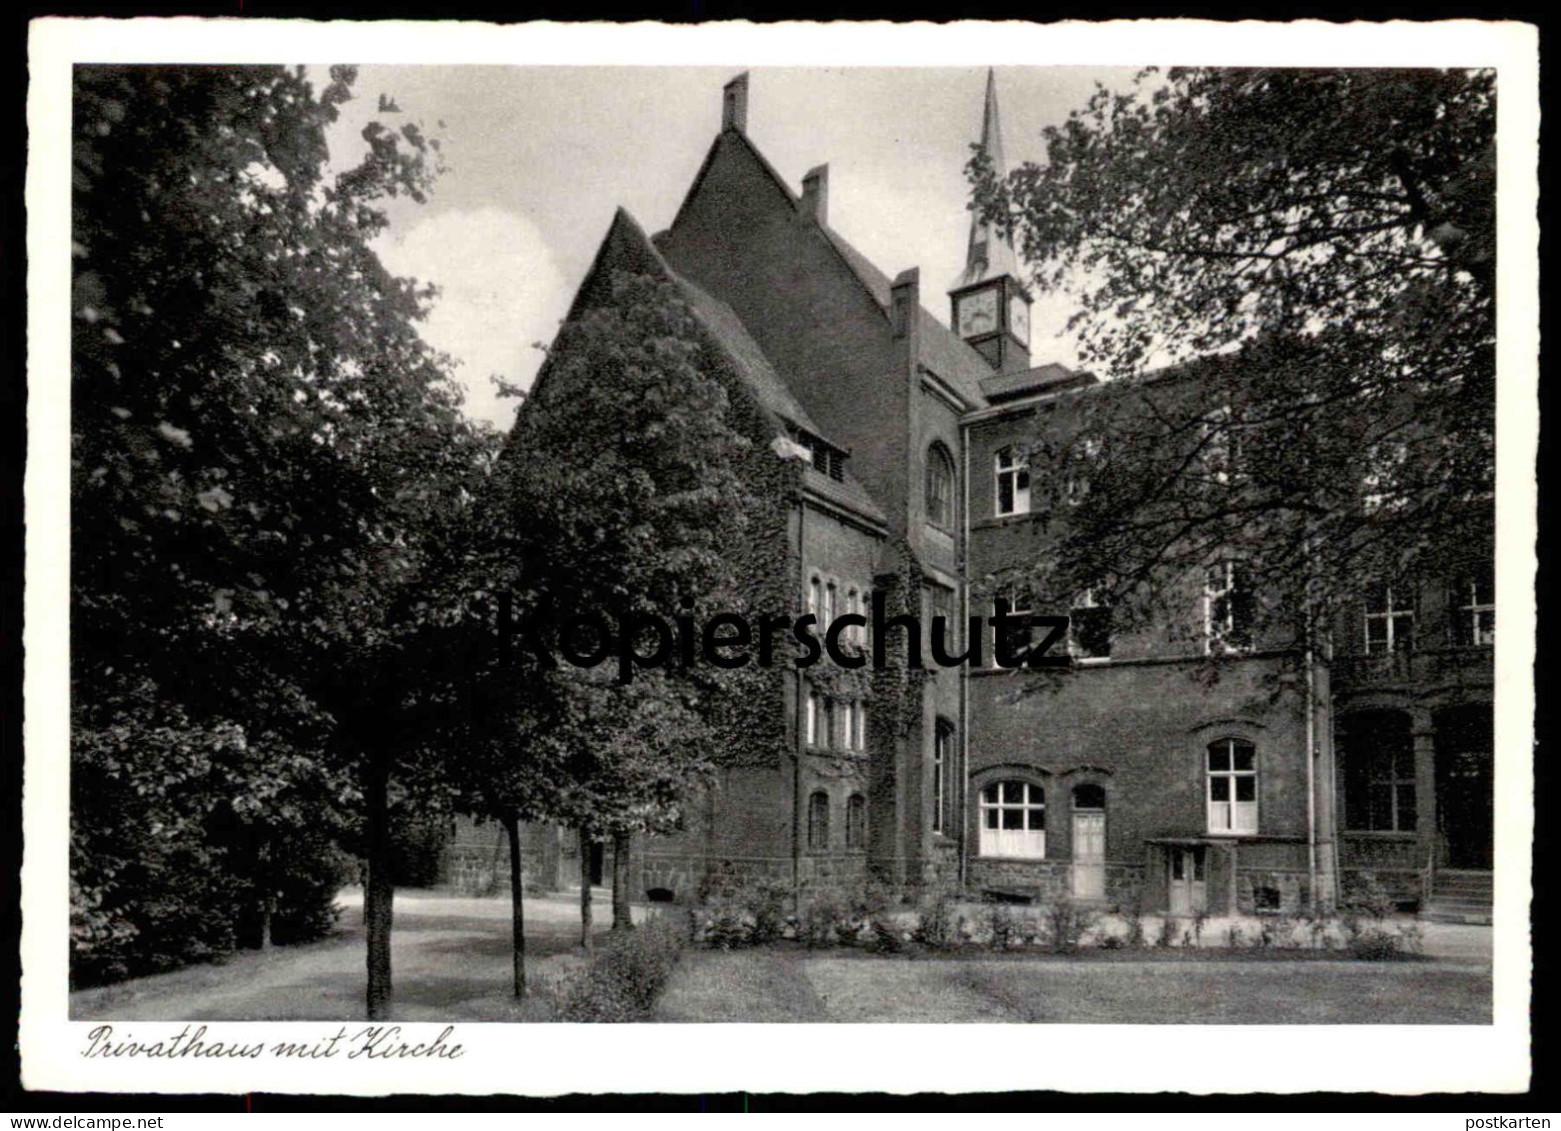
[500,291]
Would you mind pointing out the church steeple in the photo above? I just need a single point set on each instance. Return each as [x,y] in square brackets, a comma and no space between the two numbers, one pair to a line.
[990,308]
[988,255]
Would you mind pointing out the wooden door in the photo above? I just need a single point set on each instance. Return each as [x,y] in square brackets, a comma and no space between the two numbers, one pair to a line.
[1089,854]
[1188,886]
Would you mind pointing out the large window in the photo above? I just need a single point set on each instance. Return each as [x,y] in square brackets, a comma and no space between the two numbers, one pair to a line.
[856,822]
[1379,772]
[1013,482]
[942,760]
[814,718]
[1473,605]
[818,821]
[940,487]
[1232,777]
[1227,609]
[1013,820]
[1390,619]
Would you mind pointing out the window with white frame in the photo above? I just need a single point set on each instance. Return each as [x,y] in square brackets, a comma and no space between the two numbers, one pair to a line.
[811,721]
[828,736]
[826,615]
[859,728]
[1232,788]
[1013,820]
[1227,609]
[942,759]
[1013,482]
[940,487]
[815,595]
[1474,609]
[1390,619]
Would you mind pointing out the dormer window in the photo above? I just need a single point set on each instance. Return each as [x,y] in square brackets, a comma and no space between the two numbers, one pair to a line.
[1012,471]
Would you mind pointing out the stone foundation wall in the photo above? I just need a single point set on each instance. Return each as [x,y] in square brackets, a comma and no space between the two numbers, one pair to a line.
[1047,880]
[1271,891]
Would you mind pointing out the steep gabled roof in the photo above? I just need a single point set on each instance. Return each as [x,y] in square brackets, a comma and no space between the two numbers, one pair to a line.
[626,247]
[944,352]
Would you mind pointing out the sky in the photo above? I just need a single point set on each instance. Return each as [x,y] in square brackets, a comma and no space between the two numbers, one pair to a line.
[538,158]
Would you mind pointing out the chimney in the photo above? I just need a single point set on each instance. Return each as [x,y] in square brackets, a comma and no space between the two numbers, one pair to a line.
[734,104]
[815,194]
[905,297]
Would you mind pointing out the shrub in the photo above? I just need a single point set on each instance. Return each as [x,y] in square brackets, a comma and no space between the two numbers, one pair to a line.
[1004,929]
[1167,934]
[825,921]
[936,924]
[888,937]
[738,912]
[1135,939]
[624,977]
[1067,924]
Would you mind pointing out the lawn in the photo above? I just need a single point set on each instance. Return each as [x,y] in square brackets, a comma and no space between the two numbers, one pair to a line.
[451,961]
[788,985]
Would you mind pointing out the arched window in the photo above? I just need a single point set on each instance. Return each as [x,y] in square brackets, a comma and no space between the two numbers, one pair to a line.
[1232,794]
[940,487]
[856,822]
[1013,820]
[818,821]
[1089,796]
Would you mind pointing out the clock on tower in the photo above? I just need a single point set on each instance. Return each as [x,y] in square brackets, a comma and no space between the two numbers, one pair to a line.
[977,313]
[1019,317]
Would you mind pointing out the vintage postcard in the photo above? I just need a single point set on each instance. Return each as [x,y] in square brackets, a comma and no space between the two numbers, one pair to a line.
[581,558]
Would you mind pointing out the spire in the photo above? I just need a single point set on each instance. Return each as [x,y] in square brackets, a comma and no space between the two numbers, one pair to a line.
[989,255]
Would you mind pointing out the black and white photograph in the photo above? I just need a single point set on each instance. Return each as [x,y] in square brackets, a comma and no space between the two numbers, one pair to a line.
[790,525]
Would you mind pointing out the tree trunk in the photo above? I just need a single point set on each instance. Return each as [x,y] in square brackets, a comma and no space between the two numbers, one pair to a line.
[622,916]
[267,885]
[517,907]
[379,892]
[585,889]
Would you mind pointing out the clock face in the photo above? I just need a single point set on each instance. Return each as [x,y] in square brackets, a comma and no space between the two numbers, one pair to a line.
[1019,318]
[978,313]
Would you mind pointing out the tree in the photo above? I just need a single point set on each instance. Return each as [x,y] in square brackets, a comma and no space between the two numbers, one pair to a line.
[266,456]
[623,470]
[1310,255]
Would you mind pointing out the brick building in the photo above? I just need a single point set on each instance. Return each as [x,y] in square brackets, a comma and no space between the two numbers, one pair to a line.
[1127,780]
